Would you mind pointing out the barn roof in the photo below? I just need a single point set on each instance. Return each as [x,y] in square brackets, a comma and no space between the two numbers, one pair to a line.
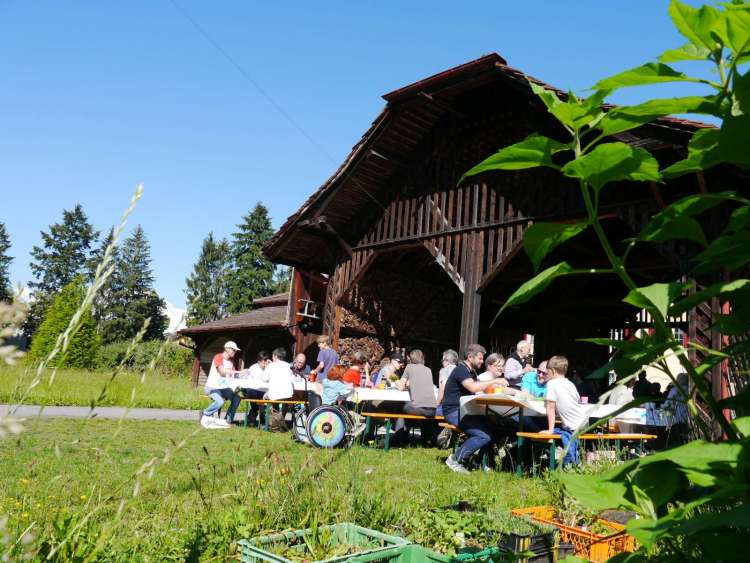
[410,114]
[269,312]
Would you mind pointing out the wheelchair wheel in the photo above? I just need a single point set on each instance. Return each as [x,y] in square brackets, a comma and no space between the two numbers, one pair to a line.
[299,427]
[329,427]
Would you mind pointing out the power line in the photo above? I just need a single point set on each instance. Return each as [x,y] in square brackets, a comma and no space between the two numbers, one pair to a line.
[246,75]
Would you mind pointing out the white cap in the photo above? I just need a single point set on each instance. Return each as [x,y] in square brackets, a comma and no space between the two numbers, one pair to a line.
[232,345]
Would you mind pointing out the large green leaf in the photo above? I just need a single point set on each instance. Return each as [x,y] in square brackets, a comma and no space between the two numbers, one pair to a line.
[721,288]
[676,220]
[597,493]
[574,113]
[657,296]
[649,73]
[737,24]
[535,150]
[626,118]
[703,153]
[742,94]
[610,162]
[688,52]
[537,284]
[729,252]
[734,140]
[541,238]
[695,23]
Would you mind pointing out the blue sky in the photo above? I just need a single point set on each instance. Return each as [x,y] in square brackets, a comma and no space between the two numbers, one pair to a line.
[98,96]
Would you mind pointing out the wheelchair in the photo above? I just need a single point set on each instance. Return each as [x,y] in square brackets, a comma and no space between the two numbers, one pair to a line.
[324,426]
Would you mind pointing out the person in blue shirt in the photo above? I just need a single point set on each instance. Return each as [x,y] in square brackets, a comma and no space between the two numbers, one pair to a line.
[535,382]
[334,389]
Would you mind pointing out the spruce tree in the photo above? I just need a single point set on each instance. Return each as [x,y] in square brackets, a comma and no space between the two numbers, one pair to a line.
[84,347]
[6,292]
[207,286]
[282,279]
[128,299]
[64,254]
[252,273]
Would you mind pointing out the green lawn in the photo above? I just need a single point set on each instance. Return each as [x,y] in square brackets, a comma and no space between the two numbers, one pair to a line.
[81,387]
[221,486]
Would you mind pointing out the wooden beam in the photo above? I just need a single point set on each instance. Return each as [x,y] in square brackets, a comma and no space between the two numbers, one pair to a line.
[357,276]
[450,268]
[472,301]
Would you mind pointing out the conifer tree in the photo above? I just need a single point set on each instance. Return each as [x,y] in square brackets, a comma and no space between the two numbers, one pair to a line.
[6,292]
[83,350]
[128,299]
[252,273]
[207,286]
[64,254]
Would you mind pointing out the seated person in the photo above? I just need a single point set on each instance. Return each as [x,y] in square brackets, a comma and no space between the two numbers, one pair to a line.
[462,382]
[257,374]
[223,365]
[334,389]
[358,369]
[564,401]
[621,394]
[449,361]
[518,363]
[300,367]
[494,366]
[280,377]
[417,379]
[388,374]
[535,382]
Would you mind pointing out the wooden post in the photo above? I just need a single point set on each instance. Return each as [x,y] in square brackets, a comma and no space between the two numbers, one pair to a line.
[472,301]
[196,368]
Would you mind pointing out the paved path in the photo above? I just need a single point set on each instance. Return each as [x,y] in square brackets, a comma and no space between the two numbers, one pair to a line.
[30,411]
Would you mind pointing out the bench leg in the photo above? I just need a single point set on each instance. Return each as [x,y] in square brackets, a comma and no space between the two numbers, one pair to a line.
[387,434]
[552,455]
[266,426]
[519,445]
[247,414]
[366,433]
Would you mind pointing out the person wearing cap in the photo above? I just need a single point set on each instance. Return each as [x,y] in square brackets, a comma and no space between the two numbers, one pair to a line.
[391,369]
[223,365]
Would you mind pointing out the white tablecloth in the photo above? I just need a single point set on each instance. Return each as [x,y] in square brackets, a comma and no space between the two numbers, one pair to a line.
[369,394]
[257,384]
[535,407]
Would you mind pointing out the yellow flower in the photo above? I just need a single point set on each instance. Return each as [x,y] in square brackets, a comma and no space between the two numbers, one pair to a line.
[24,482]
[25,515]
[83,497]
[39,505]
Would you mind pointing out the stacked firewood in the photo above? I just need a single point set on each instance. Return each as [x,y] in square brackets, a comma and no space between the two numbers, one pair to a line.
[370,346]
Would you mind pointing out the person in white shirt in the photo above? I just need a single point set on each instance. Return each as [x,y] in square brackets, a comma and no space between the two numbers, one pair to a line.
[494,366]
[279,376]
[622,394]
[257,375]
[517,364]
[564,401]
[223,365]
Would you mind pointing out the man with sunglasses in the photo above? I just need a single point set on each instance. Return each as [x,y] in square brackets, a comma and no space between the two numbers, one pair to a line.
[535,382]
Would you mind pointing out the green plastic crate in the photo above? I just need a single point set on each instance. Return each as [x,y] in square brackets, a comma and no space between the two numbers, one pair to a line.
[377,546]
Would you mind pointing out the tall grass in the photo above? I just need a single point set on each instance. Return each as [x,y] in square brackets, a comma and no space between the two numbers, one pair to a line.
[81,387]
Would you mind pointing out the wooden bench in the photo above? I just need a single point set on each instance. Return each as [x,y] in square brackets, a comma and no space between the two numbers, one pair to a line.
[268,406]
[389,417]
[551,439]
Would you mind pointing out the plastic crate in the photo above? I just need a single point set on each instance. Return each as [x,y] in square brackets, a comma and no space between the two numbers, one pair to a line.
[594,547]
[376,546]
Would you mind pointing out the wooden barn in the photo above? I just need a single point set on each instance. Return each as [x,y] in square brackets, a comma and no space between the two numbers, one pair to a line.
[410,259]
[264,328]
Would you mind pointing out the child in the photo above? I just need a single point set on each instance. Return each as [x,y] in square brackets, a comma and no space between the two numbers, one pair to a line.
[327,358]
[333,388]
[563,399]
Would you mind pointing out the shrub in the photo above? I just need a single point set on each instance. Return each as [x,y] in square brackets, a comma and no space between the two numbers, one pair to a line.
[175,359]
[83,349]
